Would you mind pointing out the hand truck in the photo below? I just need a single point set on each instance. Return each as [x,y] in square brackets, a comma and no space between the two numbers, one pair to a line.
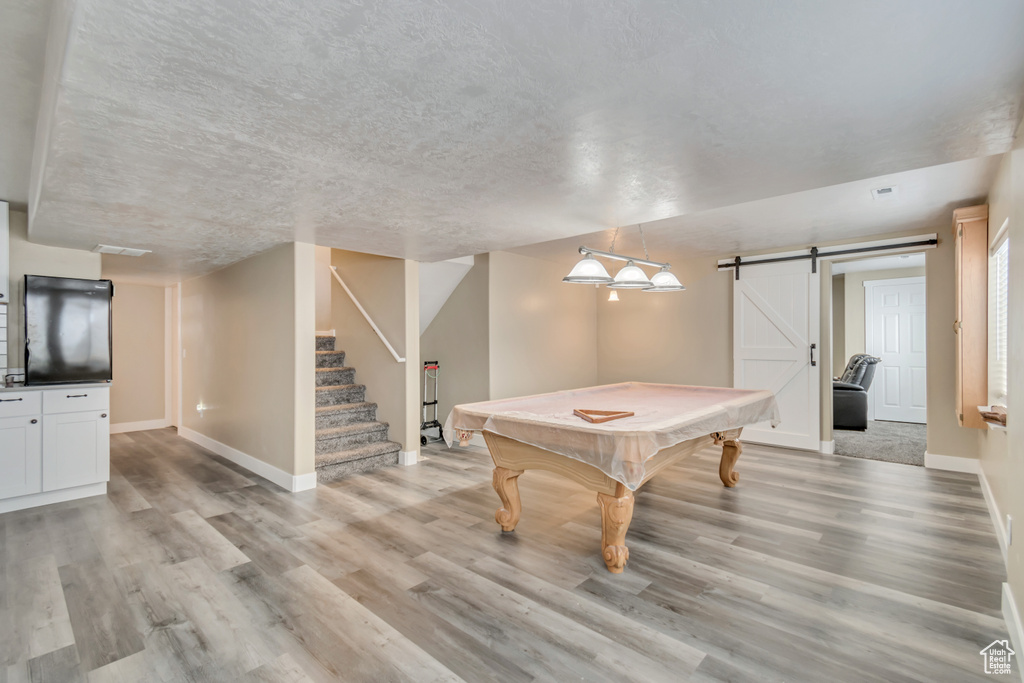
[431,370]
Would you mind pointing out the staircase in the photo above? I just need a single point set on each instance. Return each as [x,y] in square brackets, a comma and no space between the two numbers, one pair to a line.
[349,438]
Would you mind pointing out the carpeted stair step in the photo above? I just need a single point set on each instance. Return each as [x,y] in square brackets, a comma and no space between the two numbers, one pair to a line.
[345,414]
[350,436]
[326,377]
[340,393]
[330,359]
[331,466]
[324,343]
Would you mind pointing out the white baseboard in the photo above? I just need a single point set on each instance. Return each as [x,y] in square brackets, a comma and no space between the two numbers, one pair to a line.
[1013,626]
[828,447]
[993,511]
[951,463]
[408,457]
[49,497]
[325,333]
[289,482]
[122,427]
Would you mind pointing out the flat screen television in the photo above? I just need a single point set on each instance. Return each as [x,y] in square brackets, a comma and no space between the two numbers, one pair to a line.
[67,330]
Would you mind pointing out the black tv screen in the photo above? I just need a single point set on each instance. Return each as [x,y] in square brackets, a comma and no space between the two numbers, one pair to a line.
[67,330]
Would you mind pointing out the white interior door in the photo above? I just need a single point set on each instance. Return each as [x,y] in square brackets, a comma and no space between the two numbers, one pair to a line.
[894,330]
[776,347]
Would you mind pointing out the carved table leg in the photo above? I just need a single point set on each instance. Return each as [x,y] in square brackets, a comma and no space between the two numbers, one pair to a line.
[616,513]
[506,484]
[731,450]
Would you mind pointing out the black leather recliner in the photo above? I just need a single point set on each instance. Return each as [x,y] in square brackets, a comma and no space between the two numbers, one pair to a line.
[850,393]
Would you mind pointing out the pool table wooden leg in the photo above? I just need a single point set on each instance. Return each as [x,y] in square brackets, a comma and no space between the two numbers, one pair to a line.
[616,513]
[731,450]
[506,484]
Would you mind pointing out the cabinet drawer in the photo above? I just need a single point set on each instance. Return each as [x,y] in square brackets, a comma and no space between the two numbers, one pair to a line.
[18,403]
[76,400]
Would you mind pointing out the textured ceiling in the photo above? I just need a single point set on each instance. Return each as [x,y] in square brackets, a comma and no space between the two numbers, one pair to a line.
[923,203]
[209,131]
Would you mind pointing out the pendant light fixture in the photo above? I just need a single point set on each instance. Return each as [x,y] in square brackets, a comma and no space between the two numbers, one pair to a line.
[590,271]
[664,281]
[630,277]
[614,296]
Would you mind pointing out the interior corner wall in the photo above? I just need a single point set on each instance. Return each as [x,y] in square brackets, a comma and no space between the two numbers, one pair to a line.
[27,258]
[240,375]
[1002,451]
[839,355]
[945,435]
[458,338]
[379,284]
[304,361]
[542,333]
[674,337]
[137,393]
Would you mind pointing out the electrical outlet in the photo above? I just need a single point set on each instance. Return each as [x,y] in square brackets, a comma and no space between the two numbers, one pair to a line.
[1009,530]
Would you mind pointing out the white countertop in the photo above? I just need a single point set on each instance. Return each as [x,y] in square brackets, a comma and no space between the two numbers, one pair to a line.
[40,387]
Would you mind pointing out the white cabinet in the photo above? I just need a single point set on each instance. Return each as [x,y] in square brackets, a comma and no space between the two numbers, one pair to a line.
[54,444]
[21,456]
[76,449]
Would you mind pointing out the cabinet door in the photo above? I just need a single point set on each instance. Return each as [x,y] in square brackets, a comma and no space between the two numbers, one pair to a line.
[76,449]
[21,456]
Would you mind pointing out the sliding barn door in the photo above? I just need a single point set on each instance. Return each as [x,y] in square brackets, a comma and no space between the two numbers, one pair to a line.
[776,347]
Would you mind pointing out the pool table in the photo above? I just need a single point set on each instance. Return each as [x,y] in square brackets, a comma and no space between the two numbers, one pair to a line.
[614,458]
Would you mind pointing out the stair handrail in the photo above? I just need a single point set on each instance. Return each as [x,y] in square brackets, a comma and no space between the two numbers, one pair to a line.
[380,335]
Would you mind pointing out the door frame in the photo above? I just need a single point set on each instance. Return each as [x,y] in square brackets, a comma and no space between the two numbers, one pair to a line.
[869,305]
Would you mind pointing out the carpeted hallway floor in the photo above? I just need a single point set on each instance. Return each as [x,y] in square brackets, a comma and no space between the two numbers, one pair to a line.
[902,442]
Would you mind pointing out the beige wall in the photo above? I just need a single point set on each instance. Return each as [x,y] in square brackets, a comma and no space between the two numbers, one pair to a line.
[458,339]
[383,287]
[324,286]
[1002,451]
[839,355]
[248,343]
[674,337]
[36,259]
[854,304]
[541,331]
[945,435]
[137,392]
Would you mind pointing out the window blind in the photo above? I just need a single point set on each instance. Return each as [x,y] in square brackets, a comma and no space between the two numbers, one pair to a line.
[1000,278]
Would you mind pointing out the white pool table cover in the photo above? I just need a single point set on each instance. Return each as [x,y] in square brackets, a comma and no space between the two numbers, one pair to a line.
[665,415]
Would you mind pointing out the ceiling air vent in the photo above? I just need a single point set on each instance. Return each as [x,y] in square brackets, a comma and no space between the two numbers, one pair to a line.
[885,192]
[121,251]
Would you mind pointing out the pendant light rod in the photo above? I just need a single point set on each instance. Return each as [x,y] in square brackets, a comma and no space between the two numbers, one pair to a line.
[619,257]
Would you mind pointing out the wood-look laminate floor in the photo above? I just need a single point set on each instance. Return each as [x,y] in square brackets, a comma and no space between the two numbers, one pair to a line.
[814,568]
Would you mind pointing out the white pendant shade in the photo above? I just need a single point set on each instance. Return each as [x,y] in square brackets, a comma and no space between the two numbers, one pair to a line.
[630,277]
[664,281]
[614,296]
[589,271]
